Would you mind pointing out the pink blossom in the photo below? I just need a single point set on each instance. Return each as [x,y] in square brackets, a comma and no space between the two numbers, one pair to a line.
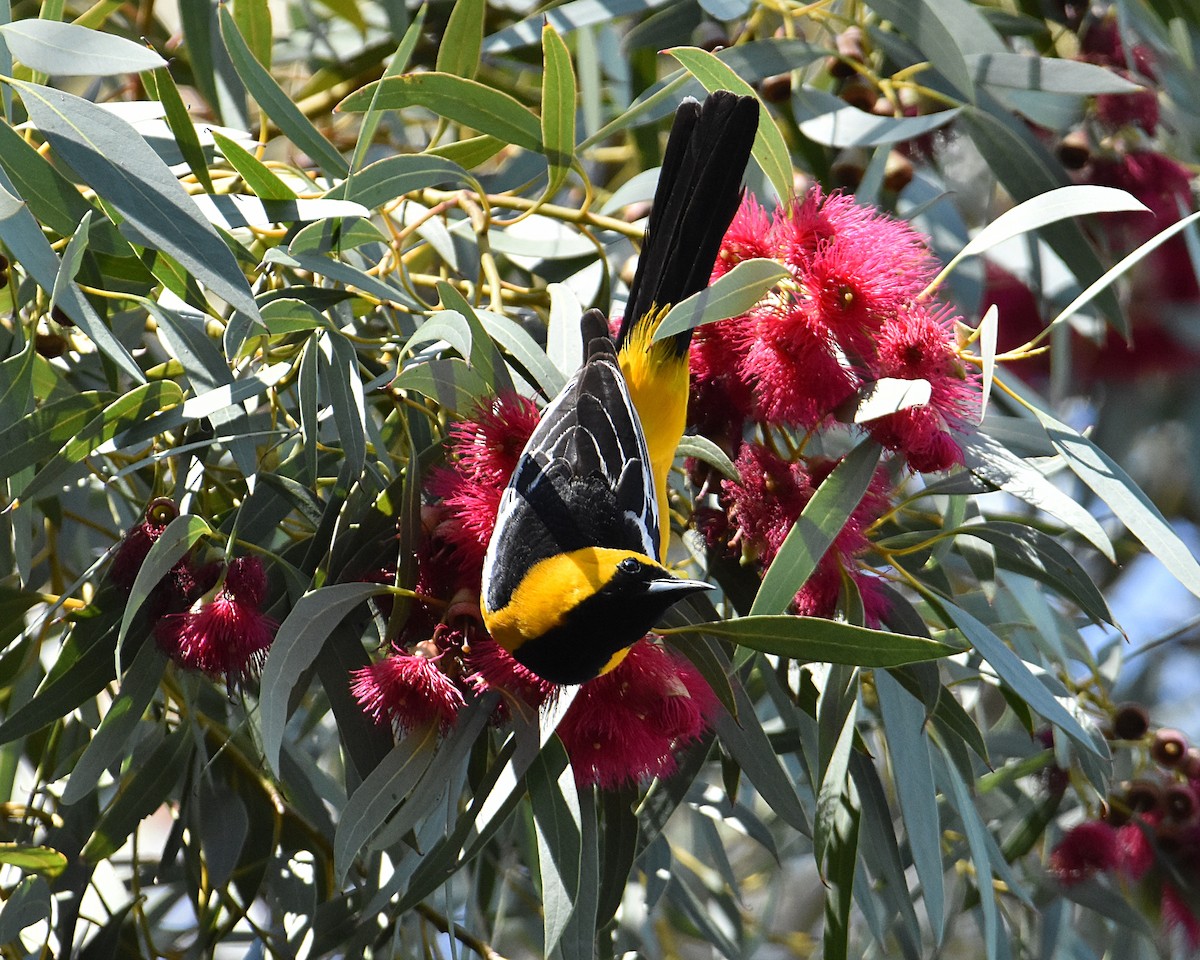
[1135,849]
[1179,913]
[229,635]
[1087,849]
[748,237]
[407,691]
[625,726]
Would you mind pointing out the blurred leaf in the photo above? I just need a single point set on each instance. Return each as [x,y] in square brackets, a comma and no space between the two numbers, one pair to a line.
[816,640]
[32,859]
[258,177]
[829,120]
[730,296]
[1132,507]
[28,903]
[372,116]
[67,50]
[945,31]
[277,104]
[144,791]
[1053,74]
[115,161]
[337,372]
[819,523]
[564,18]
[44,431]
[842,858]
[558,108]
[578,940]
[769,148]
[557,826]
[988,329]
[458,51]
[232,211]
[467,102]
[380,794]
[224,825]
[904,725]
[297,643]
[837,716]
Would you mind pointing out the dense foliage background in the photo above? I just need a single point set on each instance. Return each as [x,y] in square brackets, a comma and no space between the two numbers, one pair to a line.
[263,262]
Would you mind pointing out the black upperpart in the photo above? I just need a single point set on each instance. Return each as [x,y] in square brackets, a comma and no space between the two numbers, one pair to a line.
[698,194]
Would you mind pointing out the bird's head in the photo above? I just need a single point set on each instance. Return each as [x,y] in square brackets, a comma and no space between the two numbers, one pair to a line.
[573,615]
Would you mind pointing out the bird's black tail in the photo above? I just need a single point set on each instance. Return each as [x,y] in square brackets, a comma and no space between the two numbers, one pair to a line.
[698,194]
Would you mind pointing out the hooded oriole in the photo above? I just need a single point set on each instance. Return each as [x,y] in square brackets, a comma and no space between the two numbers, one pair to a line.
[573,574]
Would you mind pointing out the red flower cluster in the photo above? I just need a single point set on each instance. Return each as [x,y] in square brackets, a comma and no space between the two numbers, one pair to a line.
[758,512]
[849,317]
[227,636]
[622,727]
[1148,838]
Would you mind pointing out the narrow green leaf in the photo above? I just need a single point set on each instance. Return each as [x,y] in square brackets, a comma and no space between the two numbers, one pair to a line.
[114,737]
[841,872]
[514,338]
[68,50]
[816,640]
[136,407]
[889,395]
[374,116]
[988,330]
[904,725]
[579,939]
[253,18]
[380,794]
[485,357]
[458,52]
[338,373]
[177,538]
[1050,207]
[468,153]
[392,177]
[149,786]
[180,122]
[33,859]
[122,168]
[27,904]
[769,148]
[730,296]
[277,104]
[450,383]
[820,522]
[829,120]
[700,447]
[831,793]
[1023,71]
[297,643]
[467,102]
[557,827]
[558,108]
[1017,674]
[1123,496]
[43,432]
[259,178]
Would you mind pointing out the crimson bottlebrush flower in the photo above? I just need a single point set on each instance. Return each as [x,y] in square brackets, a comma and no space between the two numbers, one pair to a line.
[625,725]
[408,690]
[227,636]
[491,667]
[1178,913]
[1085,850]
[919,345]
[721,398]
[767,501]
[484,453]
[1135,849]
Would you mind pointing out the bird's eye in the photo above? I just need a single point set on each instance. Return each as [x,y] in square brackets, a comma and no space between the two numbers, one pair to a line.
[629,565]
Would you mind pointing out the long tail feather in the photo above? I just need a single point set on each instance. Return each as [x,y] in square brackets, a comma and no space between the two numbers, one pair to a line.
[697,196]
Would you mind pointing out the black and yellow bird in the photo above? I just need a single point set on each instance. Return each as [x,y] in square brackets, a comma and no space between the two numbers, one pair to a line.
[573,574]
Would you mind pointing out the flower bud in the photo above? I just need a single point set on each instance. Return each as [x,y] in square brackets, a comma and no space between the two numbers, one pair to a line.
[1130,721]
[1169,747]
